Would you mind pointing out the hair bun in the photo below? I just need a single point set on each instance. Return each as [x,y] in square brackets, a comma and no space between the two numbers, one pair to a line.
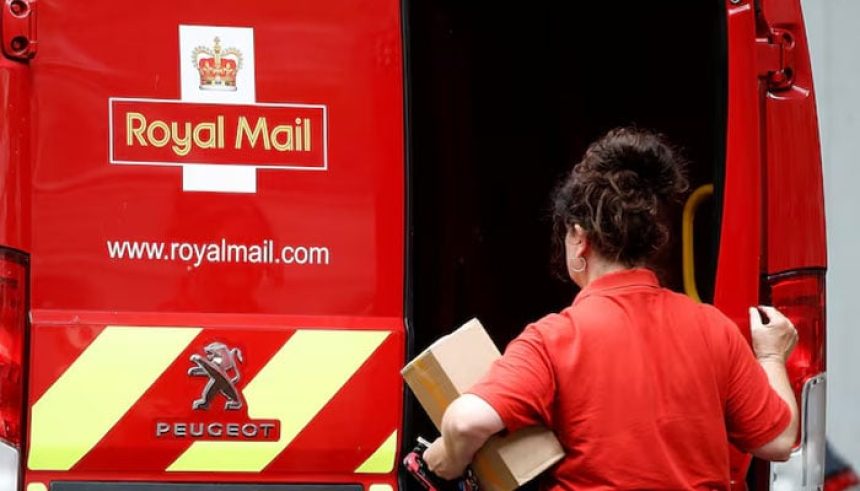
[617,191]
[637,161]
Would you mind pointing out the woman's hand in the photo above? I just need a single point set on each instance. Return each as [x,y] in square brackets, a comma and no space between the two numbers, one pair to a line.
[436,457]
[774,340]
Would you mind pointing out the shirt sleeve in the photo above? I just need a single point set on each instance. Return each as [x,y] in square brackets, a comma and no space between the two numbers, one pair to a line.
[520,385]
[755,413]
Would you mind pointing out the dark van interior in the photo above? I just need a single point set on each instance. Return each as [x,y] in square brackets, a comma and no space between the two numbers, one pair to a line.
[503,100]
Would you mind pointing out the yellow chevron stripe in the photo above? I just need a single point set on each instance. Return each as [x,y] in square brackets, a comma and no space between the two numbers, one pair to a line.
[382,460]
[98,389]
[302,377]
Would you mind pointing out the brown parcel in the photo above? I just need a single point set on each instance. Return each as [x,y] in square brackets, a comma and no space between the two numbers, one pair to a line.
[449,367]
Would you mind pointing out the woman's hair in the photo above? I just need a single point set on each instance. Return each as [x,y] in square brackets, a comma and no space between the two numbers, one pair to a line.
[617,194]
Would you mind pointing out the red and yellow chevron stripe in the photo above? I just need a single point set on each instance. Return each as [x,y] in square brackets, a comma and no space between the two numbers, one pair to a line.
[98,390]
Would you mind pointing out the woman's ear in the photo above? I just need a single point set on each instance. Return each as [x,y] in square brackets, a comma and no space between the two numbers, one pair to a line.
[577,241]
[576,247]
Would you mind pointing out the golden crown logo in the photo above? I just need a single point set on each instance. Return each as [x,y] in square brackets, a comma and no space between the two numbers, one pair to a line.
[218,67]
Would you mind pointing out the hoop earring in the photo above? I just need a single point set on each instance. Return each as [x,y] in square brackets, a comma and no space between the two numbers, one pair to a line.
[579,269]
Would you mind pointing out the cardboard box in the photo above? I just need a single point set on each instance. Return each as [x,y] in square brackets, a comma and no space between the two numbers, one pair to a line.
[449,367]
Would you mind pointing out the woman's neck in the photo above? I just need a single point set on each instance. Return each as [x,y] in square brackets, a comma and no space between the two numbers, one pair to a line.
[598,267]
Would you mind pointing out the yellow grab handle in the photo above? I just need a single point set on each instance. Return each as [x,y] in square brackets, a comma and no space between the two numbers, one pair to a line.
[689,265]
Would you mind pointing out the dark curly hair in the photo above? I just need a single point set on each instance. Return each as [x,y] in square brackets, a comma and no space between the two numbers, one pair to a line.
[618,193]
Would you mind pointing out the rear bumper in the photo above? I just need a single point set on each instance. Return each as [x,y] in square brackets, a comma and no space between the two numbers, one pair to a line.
[804,470]
[155,486]
[10,467]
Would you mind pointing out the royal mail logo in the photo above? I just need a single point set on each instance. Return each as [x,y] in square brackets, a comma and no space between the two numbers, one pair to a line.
[217,132]
[272,136]
[217,67]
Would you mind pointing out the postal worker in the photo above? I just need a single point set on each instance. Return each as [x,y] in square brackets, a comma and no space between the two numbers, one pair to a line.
[644,387]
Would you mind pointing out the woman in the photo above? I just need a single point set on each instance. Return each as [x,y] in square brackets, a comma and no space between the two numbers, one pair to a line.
[643,387]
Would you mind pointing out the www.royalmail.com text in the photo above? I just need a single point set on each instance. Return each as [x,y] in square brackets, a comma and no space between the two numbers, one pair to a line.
[223,251]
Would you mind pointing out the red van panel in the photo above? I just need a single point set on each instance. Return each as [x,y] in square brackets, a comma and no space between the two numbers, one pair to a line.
[218,239]
[795,190]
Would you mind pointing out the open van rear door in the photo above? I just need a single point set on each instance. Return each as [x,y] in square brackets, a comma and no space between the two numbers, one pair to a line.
[773,246]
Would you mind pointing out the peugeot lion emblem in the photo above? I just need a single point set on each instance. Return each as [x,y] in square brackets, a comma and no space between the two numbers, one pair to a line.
[219,363]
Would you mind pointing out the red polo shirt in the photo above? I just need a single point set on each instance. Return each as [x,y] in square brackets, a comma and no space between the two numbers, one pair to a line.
[643,387]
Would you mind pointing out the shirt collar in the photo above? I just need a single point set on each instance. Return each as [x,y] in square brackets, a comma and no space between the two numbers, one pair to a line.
[619,279]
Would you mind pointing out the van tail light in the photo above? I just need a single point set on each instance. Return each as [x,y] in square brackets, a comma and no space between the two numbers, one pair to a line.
[800,296]
[13,319]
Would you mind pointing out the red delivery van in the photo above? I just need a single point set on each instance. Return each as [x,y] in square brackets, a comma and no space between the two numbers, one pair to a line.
[226,225]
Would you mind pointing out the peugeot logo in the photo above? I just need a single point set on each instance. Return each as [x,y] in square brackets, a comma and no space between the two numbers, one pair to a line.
[219,363]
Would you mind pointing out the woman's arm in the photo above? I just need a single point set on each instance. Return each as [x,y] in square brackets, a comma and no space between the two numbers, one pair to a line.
[772,343]
[517,392]
[780,447]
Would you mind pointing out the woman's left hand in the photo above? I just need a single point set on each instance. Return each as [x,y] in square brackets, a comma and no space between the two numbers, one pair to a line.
[436,457]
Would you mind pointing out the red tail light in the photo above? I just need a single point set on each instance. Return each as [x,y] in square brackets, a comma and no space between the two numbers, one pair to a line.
[800,296]
[13,312]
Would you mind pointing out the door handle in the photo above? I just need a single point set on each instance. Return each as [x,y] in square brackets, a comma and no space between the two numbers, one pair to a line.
[688,254]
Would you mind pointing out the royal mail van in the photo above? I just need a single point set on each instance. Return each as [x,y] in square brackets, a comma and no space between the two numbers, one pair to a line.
[226,225]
